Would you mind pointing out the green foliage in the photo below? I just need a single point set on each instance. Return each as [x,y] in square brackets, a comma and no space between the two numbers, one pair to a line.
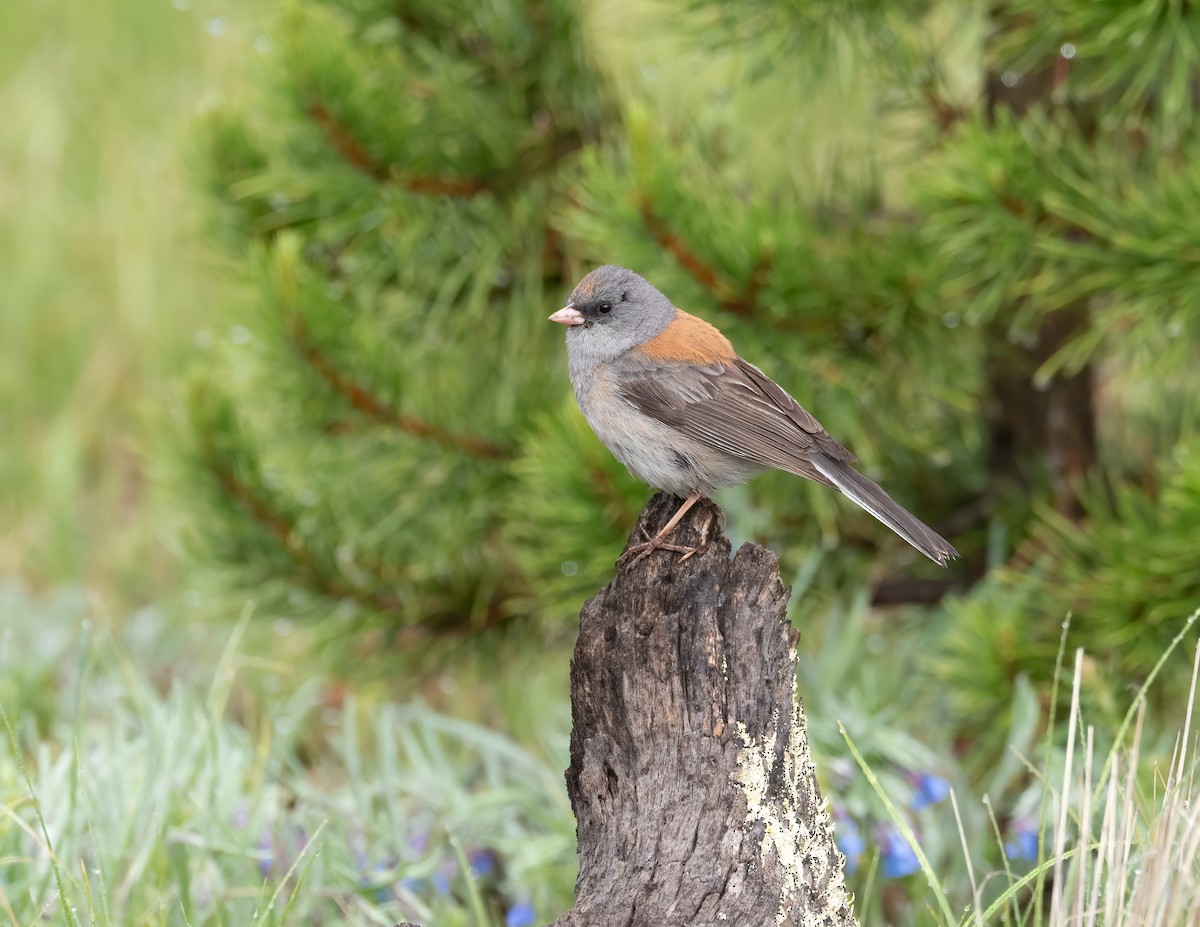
[392,433]
[398,270]
[567,478]
[1127,573]
[1136,59]
[126,802]
[895,227]
[810,32]
[882,203]
[395,200]
[1090,815]
[255,790]
[985,197]
[1026,214]
[1126,576]
[102,284]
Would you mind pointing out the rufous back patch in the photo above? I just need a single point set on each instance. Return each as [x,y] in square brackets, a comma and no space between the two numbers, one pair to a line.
[690,339]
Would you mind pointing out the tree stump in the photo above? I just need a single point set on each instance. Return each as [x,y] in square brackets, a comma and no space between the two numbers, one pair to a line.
[695,798]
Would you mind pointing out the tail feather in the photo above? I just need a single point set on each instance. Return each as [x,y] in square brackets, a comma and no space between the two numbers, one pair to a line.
[871,497]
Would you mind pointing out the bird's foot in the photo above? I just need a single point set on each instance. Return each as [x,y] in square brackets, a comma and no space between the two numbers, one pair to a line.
[639,552]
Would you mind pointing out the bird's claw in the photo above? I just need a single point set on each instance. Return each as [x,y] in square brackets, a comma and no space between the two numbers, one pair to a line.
[639,552]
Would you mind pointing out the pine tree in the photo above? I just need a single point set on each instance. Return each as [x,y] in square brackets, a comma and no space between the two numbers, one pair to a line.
[964,239]
[360,446]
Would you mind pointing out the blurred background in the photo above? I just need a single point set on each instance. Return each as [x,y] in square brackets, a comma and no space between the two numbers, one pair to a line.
[297,511]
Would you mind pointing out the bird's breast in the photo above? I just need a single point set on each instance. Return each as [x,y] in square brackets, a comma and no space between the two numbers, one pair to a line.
[652,451]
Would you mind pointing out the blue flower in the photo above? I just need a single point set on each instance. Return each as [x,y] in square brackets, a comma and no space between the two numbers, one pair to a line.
[482,861]
[1024,844]
[266,853]
[930,790]
[899,858]
[850,842]
[520,915]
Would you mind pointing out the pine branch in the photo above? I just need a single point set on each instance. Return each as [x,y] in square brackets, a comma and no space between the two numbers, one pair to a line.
[375,408]
[758,279]
[946,115]
[609,495]
[352,151]
[544,158]
[741,304]
[345,143]
[440,186]
[279,527]
[1064,408]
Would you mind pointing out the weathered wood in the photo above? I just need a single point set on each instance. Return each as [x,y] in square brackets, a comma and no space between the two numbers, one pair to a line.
[694,794]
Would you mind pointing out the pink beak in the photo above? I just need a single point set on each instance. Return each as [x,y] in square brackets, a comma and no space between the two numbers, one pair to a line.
[568,315]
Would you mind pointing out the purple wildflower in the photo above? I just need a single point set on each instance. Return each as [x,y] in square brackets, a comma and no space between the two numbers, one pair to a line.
[1024,843]
[929,789]
[483,862]
[520,915]
[899,858]
[266,853]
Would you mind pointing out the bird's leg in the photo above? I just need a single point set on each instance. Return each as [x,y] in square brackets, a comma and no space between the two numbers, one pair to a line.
[641,551]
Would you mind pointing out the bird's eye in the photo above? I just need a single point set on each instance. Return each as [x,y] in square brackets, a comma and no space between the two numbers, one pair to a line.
[605,307]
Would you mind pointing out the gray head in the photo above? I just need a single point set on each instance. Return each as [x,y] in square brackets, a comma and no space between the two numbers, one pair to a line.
[611,310]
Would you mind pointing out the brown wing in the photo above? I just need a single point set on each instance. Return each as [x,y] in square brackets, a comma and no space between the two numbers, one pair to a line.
[735,408]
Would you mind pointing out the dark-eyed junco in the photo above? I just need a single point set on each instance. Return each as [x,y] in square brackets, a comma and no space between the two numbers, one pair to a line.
[668,395]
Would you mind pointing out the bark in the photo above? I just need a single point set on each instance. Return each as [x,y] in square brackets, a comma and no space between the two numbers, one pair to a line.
[694,793]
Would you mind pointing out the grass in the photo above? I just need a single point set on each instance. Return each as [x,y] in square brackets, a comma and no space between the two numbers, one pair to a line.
[1114,855]
[156,770]
[130,801]
[252,790]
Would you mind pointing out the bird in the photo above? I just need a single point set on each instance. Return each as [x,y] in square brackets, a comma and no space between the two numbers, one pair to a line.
[669,396]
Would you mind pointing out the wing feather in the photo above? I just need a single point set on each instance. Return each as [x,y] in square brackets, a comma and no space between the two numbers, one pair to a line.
[735,408]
